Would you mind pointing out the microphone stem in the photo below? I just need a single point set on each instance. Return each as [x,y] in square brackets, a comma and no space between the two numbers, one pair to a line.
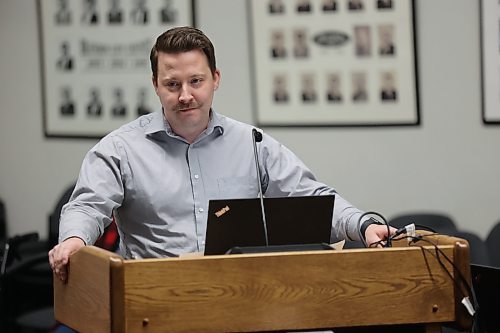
[261,197]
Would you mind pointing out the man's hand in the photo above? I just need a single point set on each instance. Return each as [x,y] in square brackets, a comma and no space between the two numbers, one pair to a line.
[59,256]
[377,232]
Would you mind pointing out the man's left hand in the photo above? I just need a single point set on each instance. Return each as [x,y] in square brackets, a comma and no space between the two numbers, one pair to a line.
[375,233]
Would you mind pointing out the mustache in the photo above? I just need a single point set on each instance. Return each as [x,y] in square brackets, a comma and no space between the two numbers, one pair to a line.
[181,107]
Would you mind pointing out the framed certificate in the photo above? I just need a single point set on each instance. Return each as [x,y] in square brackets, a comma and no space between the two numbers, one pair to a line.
[96,72]
[334,62]
[490,60]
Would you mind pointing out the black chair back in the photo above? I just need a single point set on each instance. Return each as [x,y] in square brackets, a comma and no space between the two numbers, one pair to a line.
[493,245]
[56,214]
[440,223]
[26,285]
[478,250]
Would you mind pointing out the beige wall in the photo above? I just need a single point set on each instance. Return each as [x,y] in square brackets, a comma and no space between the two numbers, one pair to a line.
[451,163]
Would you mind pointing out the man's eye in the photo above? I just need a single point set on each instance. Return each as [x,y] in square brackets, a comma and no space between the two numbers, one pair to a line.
[172,85]
[196,81]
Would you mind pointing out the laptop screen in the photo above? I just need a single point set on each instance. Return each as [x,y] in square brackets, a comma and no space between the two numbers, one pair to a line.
[290,221]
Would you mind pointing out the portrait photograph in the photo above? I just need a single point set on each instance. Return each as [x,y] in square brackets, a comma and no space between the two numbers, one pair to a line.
[308,91]
[386,40]
[300,43]
[280,90]
[359,87]
[278,47]
[388,90]
[384,4]
[276,7]
[355,4]
[334,88]
[329,5]
[362,41]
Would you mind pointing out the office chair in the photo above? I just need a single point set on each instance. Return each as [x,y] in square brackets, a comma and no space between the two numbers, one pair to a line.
[440,223]
[44,245]
[56,213]
[26,282]
[109,239]
[493,245]
[3,222]
[26,303]
[478,250]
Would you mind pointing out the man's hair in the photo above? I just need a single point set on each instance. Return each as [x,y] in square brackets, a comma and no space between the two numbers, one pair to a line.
[182,39]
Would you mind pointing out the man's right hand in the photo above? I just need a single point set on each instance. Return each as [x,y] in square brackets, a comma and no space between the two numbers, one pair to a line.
[59,256]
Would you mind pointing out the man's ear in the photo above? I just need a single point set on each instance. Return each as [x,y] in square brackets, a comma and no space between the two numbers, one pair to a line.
[155,84]
[216,79]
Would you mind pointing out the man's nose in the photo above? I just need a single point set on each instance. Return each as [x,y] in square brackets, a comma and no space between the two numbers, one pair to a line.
[185,94]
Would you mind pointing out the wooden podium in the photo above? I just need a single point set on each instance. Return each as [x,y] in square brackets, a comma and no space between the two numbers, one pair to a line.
[357,290]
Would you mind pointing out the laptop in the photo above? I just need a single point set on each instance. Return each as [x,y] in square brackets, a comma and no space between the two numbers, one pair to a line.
[290,221]
[486,284]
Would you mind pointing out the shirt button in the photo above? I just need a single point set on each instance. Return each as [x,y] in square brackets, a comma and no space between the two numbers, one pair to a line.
[196,176]
[201,210]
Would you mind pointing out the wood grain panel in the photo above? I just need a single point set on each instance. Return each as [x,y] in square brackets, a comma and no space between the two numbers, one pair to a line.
[83,303]
[299,290]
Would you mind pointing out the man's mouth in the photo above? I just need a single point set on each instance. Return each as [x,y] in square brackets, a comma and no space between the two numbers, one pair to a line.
[186,108]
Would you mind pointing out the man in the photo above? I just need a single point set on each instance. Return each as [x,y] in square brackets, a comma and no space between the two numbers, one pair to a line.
[388,91]
[278,49]
[334,90]
[155,175]
[142,107]
[276,7]
[355,5]
[280,93]
[94,106]
[386,40]
[115,14]
[67,107]
[360,93]
[362,40]
[63,15]
[140,13]
[89,15]
[65,61]
[329,5]
[168,14]
[119,108]
[384,4]
[308,90]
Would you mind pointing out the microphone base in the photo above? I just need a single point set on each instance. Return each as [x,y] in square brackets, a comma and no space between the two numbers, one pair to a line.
[279,248]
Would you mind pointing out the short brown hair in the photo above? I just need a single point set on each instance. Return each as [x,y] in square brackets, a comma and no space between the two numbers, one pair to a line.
[182,39]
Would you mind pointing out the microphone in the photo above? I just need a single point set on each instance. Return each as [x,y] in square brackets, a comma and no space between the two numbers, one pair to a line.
[257,137]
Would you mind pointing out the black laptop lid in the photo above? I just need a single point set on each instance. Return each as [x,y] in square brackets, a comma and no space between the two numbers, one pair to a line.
[290,220]
[486,284]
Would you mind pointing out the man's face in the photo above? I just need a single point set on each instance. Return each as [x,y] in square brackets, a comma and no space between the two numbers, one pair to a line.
[186,86]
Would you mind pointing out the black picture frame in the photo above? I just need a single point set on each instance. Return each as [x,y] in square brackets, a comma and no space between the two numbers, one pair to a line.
[302,49]
[490,61]
[94,58]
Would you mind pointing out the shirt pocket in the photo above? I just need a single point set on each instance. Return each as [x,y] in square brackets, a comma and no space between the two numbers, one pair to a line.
[237,187]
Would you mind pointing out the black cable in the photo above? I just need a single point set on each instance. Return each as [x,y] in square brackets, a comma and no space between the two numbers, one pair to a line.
[461,284]
[424,227]
[362,237]
[469,291]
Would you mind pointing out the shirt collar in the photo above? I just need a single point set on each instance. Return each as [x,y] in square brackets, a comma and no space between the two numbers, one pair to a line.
[160,124]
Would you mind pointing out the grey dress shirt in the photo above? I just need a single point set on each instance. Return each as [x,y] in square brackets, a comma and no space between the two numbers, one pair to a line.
[157,185]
